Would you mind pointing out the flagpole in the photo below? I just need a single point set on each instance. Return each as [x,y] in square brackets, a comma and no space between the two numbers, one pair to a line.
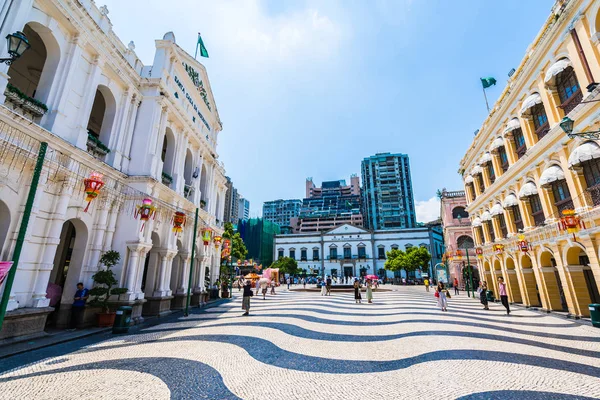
[197,44]
[486,100]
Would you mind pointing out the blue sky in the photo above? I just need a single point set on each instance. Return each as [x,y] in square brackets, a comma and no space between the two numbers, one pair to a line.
[309,88]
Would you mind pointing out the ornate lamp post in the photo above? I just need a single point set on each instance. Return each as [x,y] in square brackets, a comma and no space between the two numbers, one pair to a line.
[567,126]
[17,44]
[469,267]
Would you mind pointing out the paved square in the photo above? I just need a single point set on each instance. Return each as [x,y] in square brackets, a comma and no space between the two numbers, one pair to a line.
[299,345]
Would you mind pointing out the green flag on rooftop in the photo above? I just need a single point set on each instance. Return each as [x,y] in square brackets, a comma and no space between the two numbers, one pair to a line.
[487,82]
[200,45]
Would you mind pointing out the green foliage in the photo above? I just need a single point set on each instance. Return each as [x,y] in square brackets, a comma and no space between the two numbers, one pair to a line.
[104,280]
[286,265]
[23,96]
[238,248]
[412,259]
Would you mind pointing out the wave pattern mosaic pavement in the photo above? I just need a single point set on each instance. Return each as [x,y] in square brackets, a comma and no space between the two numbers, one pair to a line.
[299,345]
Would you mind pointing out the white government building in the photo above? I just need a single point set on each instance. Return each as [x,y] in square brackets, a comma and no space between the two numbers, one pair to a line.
[150,130]
[348,250]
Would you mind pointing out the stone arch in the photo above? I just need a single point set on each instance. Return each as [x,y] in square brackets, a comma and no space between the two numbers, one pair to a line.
[102,115]
[34,72]
[168,152]
[459,211]
[67,270]
[5,220]
[512,280]
[578,268]
[151,267]
[552,281]
[465,241]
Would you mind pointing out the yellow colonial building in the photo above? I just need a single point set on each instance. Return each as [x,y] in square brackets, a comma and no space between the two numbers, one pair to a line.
[523,169]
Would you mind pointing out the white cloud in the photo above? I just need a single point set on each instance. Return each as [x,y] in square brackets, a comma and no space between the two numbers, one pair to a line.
[428,210]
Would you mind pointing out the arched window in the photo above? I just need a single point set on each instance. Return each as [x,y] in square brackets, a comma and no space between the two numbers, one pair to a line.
[460,211]
[540,120]
[167,156]
[464,242]
[101,121]
[187,175]
[568,89]
[203,187]
[520,145]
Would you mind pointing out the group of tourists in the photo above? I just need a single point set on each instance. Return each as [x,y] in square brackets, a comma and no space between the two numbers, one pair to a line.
[369,291]
[442,294]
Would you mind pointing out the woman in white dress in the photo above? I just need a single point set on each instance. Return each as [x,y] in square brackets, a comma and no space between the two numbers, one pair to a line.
[441,296]
[323,289]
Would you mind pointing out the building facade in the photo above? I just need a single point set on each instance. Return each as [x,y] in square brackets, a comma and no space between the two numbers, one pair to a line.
[348,250]
[243,208]
[387,193]
[436,248]
[522,171]
[281,212]
[458,236]
[150,130]
[333,204]
[231,203]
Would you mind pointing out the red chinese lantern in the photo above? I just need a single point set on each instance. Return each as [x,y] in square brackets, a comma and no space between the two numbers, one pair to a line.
[459,254]
[226,249]
[206,236]
[570,222]
[93,184]
[145,211]
[178,221]
[479,252]
[523,244]
[498,248]
[217,239]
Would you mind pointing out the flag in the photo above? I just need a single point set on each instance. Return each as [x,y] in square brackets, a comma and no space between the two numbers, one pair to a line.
[486,82]
[200,45]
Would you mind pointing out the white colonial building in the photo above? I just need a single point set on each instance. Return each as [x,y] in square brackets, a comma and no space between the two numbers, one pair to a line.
[150,130]
[348,250]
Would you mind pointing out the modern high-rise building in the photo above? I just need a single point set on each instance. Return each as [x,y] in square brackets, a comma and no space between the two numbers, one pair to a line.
[387,193]
[281,212]
[231,203]
[243,208]
[333,204]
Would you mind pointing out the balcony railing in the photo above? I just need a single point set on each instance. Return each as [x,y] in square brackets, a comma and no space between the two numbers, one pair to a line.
[519,225]
[521,151]
[572,102]
[542,130]
[593,195]
[539,218]
[562,205]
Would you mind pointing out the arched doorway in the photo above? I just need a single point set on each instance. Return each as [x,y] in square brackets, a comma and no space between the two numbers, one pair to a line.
[151,267]
[178,277]
[531,289]
[496,272]
[33,72]
[168,156]
[101,119]
[552,282]
[513,281]
[4,228]
[487,274]
[66,272]
[582,277]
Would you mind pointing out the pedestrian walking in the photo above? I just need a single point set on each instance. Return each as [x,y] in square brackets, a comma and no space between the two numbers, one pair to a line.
[483,295]
[503,295]
[246,297]
[264,285]
[426,283]
[78,307]
[357,296]
[440,293]
[323,289]
[328,286]
[304,283]
[369,291]
[289,280]
[456,286]
[272,287]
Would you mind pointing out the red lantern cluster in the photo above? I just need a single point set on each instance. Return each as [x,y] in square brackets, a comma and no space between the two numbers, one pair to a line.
[570,222]
[179,220]
[217,239]
[145,211]
[93,184]
[479,252]
[226,252]
[523,245]
[499,248]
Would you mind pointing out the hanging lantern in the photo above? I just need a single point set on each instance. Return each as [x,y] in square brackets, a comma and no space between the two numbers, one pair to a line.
[206,236]
[226,249]
[178,221]
[145,211]
[459,254]
[523,244]
[217,240]
[479,252]
[570,222]
[498,248]
[93,184]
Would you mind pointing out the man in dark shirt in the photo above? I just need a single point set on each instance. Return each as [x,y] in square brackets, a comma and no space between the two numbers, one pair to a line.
[79,300]
[328,285]
[246,297]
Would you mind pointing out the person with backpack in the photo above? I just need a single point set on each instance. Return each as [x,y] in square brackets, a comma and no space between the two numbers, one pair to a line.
[357,296]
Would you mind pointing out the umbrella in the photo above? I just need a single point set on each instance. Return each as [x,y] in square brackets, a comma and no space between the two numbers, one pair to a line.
[4,269]
[252,276]
[372,277]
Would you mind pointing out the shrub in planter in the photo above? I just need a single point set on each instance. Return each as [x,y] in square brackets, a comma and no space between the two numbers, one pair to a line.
[104,280]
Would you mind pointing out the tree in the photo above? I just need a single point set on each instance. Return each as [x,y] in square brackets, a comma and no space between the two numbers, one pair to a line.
[238,248]
[412,259]
[104,280]
[286,265]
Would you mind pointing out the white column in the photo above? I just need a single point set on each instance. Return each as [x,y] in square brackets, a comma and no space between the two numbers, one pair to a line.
[130,126]
[153,146]
[117,135]
[115,207]
[164,276]
[132,269]
[185,273]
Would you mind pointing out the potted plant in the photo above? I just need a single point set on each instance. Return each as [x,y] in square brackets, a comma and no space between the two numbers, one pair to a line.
[166,179]
[104,280]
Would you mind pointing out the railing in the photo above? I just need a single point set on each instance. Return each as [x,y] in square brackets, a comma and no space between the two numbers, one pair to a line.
[562,205]
[521,151]
[542,130]
[519,225]
[539,218]
[593,195]
[569,104]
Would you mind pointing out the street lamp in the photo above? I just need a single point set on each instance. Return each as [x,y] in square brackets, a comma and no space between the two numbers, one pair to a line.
[567,126]
[469,266]
[17,43]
